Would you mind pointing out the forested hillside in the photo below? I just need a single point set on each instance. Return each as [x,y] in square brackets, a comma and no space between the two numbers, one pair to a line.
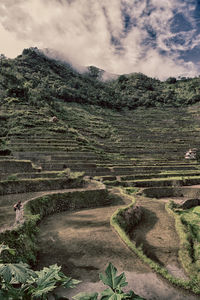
[33,77]
[68,140]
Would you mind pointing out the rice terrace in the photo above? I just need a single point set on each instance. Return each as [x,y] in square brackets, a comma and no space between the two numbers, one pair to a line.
[103,183]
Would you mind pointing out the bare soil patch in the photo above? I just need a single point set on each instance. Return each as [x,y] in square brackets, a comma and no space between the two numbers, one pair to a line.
[83,243]
[157,235]
[7,213]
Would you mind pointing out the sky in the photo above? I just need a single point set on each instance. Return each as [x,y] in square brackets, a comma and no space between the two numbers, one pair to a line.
[160,38]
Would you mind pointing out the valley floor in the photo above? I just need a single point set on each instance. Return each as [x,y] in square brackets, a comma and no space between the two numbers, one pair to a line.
[83,242]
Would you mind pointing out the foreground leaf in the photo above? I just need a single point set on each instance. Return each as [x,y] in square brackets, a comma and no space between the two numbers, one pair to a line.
[15,273]
[86,296]
[111,279]
[132,296]
[46,281]
[68,282]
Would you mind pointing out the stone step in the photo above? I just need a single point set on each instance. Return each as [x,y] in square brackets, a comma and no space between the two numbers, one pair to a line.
[7,157]
[16,176]
[151,176]
[49,155]
[175,181]
[44,144]
[146,145]
[16,166]
[152,168]
[46,148]
[40,140]
[73,167]
[39,184]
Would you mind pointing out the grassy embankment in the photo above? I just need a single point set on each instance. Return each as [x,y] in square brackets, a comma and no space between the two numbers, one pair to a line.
[188,228]
[23,237]
[185,255]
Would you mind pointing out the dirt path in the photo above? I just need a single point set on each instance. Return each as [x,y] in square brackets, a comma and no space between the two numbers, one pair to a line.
[83,243]
[7,213]
[156,233]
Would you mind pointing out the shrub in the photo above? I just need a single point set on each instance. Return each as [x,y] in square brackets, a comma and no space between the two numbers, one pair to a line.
[19,281]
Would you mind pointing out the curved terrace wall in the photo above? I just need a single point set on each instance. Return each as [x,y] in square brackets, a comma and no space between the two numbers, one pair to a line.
[119,222]
[161,192]
[24,237]
[39,184]
[14,166]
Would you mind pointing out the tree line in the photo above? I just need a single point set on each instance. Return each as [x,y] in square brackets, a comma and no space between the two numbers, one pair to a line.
[34,78]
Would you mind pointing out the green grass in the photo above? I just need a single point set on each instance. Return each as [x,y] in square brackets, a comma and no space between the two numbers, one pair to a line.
[191,284]
[131,190]
[189,222]
[102,129]
[192,218]
[169,181]
[187,227]
[12,177]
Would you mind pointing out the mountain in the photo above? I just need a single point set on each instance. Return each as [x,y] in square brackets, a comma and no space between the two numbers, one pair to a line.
[33,77]
[92,71]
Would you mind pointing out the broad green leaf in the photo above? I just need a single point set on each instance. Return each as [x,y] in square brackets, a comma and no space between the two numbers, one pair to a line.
[113,297]
[120,281]
[17,273]
[109,294]
[46,281]
[3,296]
[86,296]
[68,282]
[111,279]
[48,274]
[10,292]
[5,273]
[116,297]
[132,296]
[106,294]
[40,291]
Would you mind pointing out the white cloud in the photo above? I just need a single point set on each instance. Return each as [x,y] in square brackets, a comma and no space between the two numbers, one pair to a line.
[81,30]
[10,44]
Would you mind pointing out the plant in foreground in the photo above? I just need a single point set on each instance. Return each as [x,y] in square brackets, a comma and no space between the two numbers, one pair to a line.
[19,282]
[114,291]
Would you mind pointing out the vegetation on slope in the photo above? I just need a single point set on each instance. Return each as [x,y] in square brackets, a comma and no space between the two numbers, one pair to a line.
[18,281]
[43,84]
[120,225]
[33,77]
[187,226]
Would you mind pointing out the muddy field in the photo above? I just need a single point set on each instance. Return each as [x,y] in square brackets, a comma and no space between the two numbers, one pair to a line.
[83,242]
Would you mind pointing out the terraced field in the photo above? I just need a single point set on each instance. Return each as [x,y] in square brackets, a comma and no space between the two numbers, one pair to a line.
[130,149]
[147,144]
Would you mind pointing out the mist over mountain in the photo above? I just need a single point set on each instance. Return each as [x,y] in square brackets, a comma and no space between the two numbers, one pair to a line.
[33,78]
[157,38]
[99,73]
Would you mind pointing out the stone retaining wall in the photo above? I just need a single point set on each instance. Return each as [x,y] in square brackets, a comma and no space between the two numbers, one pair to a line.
[23,238]
[37,185]
[161,192]
[15,166]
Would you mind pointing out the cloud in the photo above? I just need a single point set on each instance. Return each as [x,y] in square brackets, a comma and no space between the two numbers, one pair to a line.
[10,44]
[119,36]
